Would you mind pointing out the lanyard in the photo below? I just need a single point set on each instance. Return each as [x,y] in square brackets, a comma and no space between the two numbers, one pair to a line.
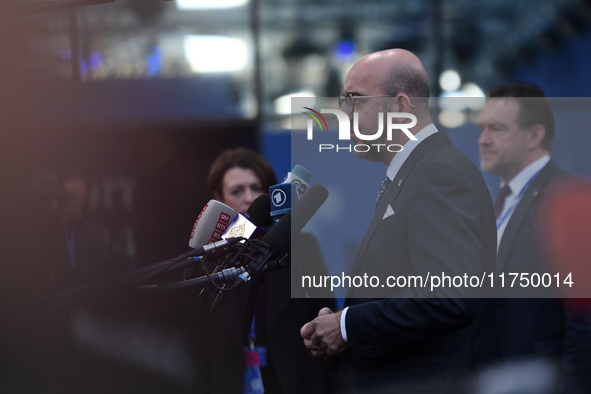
[521,193]
[252,335]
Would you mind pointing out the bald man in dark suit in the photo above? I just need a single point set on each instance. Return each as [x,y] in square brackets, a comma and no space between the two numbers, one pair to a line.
[434,215]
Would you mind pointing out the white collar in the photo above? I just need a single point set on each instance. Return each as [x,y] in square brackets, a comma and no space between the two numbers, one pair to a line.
[521,179]
[400,157]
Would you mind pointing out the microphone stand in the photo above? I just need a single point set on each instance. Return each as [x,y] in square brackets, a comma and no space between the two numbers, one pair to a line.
[253,259]
[224,277]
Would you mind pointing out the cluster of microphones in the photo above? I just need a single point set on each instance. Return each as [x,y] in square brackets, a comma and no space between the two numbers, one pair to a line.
[240,247]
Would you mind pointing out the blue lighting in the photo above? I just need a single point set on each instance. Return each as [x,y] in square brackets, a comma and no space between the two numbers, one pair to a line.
[345,50]
[154,61]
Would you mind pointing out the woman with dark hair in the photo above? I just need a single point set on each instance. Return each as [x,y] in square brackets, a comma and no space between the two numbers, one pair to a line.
[236,178]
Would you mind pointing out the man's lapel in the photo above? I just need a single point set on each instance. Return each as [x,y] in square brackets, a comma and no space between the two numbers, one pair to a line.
[393,191]
[521,212]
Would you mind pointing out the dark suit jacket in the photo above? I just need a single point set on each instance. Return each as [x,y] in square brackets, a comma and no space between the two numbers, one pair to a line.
[443,221]
[528,326]
[536,326]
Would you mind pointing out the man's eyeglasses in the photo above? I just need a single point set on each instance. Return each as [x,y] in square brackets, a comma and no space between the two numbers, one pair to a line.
[350,101]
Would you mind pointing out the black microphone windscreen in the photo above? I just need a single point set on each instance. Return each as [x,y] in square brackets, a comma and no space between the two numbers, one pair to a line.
[259,212]
[307,206]
[279,237]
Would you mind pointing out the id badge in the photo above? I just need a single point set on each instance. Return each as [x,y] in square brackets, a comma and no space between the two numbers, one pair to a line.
[254,358]
[253,381]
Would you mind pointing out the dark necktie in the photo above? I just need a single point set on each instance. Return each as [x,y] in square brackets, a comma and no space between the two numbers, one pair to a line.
[500,201]
[383,187]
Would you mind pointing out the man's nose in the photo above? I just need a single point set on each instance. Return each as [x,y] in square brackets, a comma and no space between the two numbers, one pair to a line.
[484,139]
[345,108]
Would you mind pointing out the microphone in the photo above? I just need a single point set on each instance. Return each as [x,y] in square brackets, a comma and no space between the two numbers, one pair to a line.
[259,211]
[221,278]
[278,240]
[210,224]
[208,228]
[279,237]
[285,194]
[300,177]
[224,243]
[242,227]
[206,237]
[260,254]
[238,229]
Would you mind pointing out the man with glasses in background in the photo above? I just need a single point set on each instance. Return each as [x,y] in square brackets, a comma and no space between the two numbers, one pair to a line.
[433,214]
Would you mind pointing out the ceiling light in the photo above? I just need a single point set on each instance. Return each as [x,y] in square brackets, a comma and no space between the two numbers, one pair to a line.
[208,4]
[215,54]
[455,101]
[450,80]
[451,119]
[475,96]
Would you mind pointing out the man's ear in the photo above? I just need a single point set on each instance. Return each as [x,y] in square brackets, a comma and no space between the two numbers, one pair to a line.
[404,103]
[536,134]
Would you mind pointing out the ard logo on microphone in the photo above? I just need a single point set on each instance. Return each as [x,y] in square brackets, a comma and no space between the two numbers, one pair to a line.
[345,130]
[278,197]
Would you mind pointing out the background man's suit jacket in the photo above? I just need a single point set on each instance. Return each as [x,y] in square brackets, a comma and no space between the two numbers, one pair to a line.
[443,221]
[537,326]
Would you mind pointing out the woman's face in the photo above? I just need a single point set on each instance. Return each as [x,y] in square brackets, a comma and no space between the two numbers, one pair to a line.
[240,187]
